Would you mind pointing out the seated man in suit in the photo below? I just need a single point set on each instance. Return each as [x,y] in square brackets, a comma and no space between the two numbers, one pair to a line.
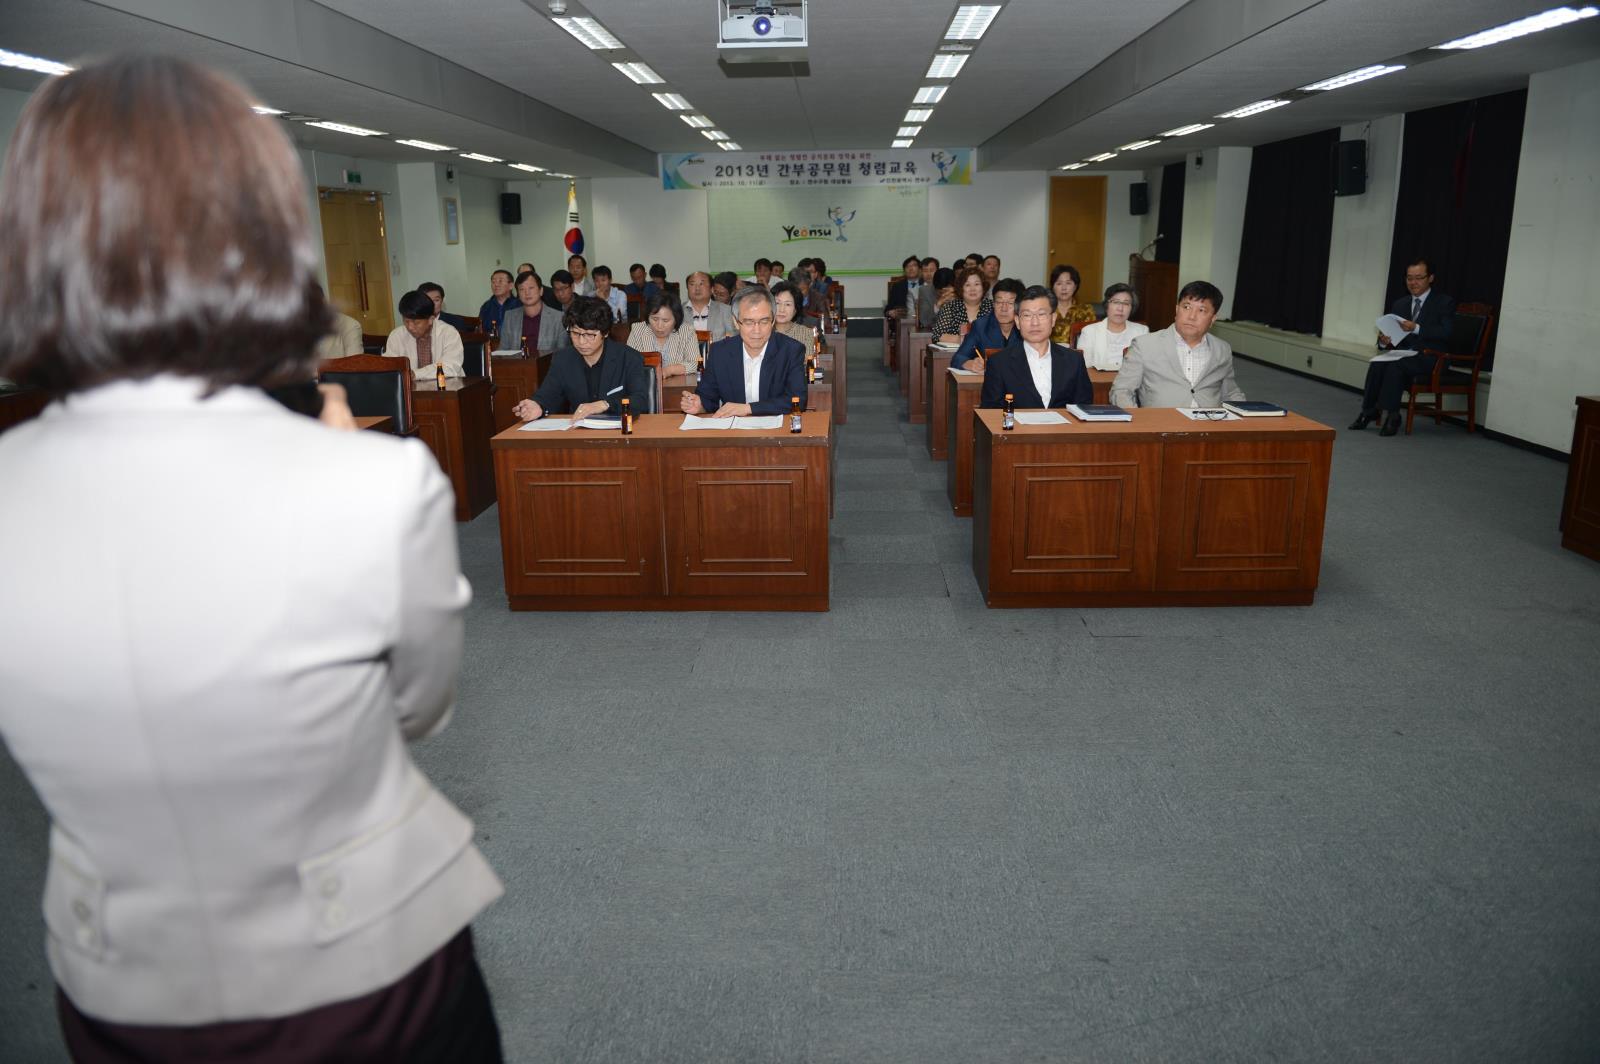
[638,284]
[594,374]
[928,294]
[1428,318]
[1035,371]
[503,287]
[992,330]
[1183,364]
[903,293]
[530,325]
[757,372]
[704,313]
[425,340]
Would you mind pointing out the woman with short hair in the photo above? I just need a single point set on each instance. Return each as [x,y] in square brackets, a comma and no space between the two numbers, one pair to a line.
[956,316]
[1103,343]
[663,330]
[1065,282]
[787,302]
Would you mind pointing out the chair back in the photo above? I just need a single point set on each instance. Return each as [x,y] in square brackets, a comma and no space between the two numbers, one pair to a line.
[1469,334]
[377,386]
[475,354]
[635,307]
[652,362]
[619,332]
[671,286]
[373,345]
[470,324]
[1072,333]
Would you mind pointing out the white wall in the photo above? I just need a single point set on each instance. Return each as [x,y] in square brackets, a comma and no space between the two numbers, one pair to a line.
[1550,312]
[427,256]
[488,242]
[636,220]
[1363,231]
[1214,195]
[1006,213]
[539,239]
[1123,228]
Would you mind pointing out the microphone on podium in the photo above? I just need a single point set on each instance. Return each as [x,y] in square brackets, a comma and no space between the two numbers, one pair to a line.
[1147,247]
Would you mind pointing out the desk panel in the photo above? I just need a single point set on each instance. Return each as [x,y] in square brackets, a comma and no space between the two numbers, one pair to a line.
[962,392]
[936,402]
[456,425]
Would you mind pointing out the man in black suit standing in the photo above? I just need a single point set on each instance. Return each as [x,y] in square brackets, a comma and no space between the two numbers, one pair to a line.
[903,293]
[594,374]
[1035,371]
[756,372]
[1427,317]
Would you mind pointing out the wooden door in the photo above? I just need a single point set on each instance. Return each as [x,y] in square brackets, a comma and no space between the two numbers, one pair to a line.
[356,250]
[1078,231]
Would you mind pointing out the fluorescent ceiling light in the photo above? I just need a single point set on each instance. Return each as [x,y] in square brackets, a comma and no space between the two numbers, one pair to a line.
[529,169]
[931,93]
[946,65]
[639,74]
[970,21]
[258,109]
[1548,20]
[672,101]
[919,114]
[713,134]
[1184,131]
[590,33]
[33,63]
[1352,78]
[340,127]
[901,144]
[908,131]
[698,121]
[567,176]
[480,158]
[1136,145]
[1102,157]
[728,145]
[1253,108]
[425,145]
[1074,166]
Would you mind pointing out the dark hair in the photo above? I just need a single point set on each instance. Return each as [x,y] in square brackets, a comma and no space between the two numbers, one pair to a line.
[601,271]
[560,277]
[966,272]
[429,286]
[416,305]
[763,262]
[928,260]
[658,270]
[587,312]
[108,275]
[508,274]
[794,293]
[1072,271]
[1423,262]
[803,263]
[664,298]
[775,265]
[1118,289]
[975,255]
[635,266]
[577,256]
[943,277]
[1037,291]
[1008,284]
[910,260]
[996,258]
[798,278]
[727,279]
[1202,290]
[525,274]
[820,266]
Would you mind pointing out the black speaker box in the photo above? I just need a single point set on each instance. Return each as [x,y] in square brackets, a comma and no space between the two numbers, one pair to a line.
[1350,168]
[510,208]
[1139,198]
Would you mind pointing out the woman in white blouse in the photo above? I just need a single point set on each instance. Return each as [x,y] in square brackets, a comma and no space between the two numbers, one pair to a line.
[664,330]
[1104,342]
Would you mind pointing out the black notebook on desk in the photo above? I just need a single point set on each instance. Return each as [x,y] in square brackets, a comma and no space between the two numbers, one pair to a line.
[1248,408]
[1098,412]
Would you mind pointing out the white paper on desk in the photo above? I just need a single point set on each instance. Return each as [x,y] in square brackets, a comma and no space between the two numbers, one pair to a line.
[600,423]
[1389,325]
[966,372]
[770,421]
[695,421]
[547,424]
[1199,413]
[507,352]
[1040,417]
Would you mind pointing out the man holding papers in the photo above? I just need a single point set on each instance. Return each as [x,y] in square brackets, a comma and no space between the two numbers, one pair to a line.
[755,372]
[593,375]
[1036,372]
[1183,364]
[1426,319]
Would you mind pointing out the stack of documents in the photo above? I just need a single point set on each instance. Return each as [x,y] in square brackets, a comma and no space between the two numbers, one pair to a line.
[1040,417]
[695,422]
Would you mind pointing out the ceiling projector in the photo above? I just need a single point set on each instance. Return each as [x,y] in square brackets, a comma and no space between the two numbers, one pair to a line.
[761,31]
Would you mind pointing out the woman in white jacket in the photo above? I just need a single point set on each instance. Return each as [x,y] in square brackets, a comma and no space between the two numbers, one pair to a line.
[1104,342]
[224,620]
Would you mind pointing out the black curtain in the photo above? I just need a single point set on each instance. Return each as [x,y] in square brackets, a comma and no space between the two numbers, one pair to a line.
[1169,215]
[1458,183]
[1288,226]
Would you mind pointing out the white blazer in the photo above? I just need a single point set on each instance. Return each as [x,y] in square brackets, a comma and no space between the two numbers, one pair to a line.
[1103,351]
[447,350]
[212,663]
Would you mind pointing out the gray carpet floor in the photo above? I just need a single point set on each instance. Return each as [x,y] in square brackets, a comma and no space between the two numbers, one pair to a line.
[913,829]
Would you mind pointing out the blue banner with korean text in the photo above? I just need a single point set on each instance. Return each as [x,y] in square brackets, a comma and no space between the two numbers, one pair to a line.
[889,168]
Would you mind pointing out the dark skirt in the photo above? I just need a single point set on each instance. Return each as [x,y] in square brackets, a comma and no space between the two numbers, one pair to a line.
[440,1012]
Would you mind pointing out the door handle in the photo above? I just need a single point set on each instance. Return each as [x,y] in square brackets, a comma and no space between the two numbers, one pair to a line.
[361,285]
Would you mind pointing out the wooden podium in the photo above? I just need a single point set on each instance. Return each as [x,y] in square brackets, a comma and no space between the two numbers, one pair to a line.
[1157,285]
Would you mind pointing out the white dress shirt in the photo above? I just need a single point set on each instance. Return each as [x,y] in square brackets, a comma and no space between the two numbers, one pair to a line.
[1039,366]
[584,287]
[617,300]
[1193,359]
[752,374]
[701,318]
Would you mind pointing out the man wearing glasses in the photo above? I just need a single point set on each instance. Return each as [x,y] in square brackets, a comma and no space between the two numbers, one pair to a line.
[1035,371]
[592,375]
[756,372]
[1428,317]
[993,330]
[1183,364]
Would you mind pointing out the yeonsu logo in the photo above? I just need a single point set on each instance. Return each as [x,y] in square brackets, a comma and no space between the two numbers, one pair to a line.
[834,230]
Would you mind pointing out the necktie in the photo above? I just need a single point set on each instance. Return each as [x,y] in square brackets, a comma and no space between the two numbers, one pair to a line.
[1416,307]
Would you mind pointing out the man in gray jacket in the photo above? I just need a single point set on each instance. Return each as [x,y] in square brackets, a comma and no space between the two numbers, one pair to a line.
[539,322]
[1183,364]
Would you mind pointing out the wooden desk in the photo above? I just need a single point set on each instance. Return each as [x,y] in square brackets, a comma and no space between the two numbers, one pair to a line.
[376,424]
[1101,379]
[936,395]
[665,519]
[962,392]
[1159,511]
[819,396]
[1580,508]
[515,378]
[916,398]
[835,363]
[456,425]
[21,405]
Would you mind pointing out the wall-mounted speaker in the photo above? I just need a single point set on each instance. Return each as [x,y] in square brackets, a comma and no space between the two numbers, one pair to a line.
[1350,168]
[510,208]
[1139,198]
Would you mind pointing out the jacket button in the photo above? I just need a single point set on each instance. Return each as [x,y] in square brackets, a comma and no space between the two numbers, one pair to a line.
[333,915]
[81,910]
[85,937]
[331,886]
